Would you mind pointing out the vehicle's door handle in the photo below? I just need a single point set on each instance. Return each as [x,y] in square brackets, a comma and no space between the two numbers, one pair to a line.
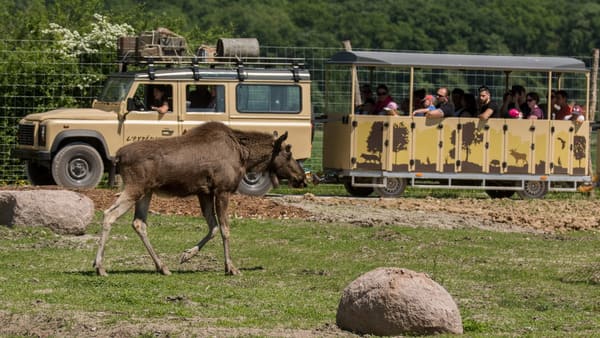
[167,132]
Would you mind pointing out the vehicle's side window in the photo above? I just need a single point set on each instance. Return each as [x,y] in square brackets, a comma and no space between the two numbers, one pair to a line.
[205,98]
[151,97]
[284,99]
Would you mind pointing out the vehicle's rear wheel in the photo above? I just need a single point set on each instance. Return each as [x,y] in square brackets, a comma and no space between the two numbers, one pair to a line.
[255,184]
[357,191]
[500,193]
[394,188]
[77,165]
[38,174]
[533,189]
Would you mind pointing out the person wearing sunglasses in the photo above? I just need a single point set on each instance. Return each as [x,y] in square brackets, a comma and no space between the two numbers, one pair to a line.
[535,112]
[383,99]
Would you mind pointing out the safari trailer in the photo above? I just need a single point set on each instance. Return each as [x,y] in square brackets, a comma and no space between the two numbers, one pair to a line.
[500,155]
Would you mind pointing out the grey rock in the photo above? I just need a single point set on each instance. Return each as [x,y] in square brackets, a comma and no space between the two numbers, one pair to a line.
[394,301]
[63,211]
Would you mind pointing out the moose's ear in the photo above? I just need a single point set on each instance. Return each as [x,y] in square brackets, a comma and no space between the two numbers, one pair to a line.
[279,141]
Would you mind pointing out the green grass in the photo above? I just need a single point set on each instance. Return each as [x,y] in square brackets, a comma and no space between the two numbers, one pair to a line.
[294,273]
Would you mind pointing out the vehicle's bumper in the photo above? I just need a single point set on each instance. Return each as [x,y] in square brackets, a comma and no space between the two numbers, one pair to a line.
[31,155]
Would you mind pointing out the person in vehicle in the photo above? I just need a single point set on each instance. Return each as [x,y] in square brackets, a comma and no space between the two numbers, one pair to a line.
[427,105]
[469,106]
[383,99]
[535,112]
[391,109]
[443,107]
[563,109]
[457,99]
[160,103]
[518,100]
[487,107]
[366,93]
[577,114]
[201,97]
[367,108]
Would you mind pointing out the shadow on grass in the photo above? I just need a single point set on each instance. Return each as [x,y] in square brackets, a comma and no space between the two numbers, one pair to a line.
[154,272]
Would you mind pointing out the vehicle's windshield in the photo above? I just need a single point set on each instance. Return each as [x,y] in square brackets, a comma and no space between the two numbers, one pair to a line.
[115,89]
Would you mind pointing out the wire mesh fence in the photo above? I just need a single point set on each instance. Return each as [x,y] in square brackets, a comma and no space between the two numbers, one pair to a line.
[33,78]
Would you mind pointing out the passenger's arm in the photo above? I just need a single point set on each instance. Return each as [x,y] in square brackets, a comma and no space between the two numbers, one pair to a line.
[486,114]
[434,113]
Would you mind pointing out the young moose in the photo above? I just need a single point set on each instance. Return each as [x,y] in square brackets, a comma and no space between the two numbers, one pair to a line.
[209,161]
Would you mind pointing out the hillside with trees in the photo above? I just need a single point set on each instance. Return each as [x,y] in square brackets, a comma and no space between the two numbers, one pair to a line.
[549,27]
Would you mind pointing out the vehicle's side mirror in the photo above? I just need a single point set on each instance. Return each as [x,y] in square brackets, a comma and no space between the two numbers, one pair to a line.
[131,104]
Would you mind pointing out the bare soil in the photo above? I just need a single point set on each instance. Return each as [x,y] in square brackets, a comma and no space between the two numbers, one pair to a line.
[546,216]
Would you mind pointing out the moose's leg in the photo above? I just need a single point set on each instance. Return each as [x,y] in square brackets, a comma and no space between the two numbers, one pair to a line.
[207,204]
[222,202]
[139,225]
[121,205]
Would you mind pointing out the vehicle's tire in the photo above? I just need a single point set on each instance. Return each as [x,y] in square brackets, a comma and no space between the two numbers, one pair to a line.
[38,174]
[394,188]
[533,189]
[77,165]
[357,191]
[254,184]
[500,193]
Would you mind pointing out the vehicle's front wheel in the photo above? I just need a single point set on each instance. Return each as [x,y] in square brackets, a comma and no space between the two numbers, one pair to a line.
[394,188]
[255,184]
[38,174]
[533,189]
[77,165]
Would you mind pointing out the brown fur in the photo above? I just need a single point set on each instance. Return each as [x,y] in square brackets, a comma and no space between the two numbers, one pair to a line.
[209,161]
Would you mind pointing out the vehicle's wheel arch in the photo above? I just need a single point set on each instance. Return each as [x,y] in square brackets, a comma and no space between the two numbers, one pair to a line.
[91,137]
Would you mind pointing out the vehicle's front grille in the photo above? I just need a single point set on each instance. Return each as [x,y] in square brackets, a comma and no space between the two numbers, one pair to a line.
[25,135]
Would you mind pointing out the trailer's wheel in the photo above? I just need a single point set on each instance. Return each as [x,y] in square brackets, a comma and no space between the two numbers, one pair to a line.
[255,184]
[357,191]
[500,193]
[394,188]
[533,189]
[38,174]
[77,165]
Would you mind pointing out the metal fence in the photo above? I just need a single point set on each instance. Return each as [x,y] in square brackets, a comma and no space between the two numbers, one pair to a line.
[36,80]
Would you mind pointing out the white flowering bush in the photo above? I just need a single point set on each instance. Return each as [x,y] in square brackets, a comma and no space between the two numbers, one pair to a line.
[103,35]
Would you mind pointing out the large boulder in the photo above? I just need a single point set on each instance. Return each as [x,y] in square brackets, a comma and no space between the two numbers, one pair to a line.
[394,301]
[65,212]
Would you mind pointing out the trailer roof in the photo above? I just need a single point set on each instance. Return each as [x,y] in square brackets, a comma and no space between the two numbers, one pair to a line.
[460,61]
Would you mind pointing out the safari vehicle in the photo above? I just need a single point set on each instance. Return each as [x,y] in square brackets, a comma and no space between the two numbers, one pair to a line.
[75,147]
[500,155]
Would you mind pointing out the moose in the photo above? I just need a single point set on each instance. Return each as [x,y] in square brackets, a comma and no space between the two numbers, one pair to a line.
[208,161]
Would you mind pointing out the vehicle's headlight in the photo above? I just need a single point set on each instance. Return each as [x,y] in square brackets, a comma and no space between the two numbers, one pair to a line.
[42,135]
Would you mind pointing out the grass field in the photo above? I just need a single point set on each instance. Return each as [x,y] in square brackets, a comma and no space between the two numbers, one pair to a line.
[293,274]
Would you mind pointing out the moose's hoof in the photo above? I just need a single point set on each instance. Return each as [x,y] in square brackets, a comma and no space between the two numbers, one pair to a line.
[232,271]
[165,271]
[188,254]
[101,272]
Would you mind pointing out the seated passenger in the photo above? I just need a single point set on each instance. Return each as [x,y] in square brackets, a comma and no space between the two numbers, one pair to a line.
[443,106]
[201,97]
[487,107]
[457,99]
[514,113]
[535,112]
[160,102]
[383,99]
[469,106]
[563,109]
[426,106]
[577,114]
[391,109]
[367,108]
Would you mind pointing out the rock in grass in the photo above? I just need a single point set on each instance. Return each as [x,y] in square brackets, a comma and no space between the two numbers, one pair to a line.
[394,301]
[63,211]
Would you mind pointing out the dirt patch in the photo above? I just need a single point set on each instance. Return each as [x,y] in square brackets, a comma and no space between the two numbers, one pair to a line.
[546,216]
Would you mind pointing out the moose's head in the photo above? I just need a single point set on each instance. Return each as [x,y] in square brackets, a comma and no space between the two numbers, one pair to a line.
[283,165]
